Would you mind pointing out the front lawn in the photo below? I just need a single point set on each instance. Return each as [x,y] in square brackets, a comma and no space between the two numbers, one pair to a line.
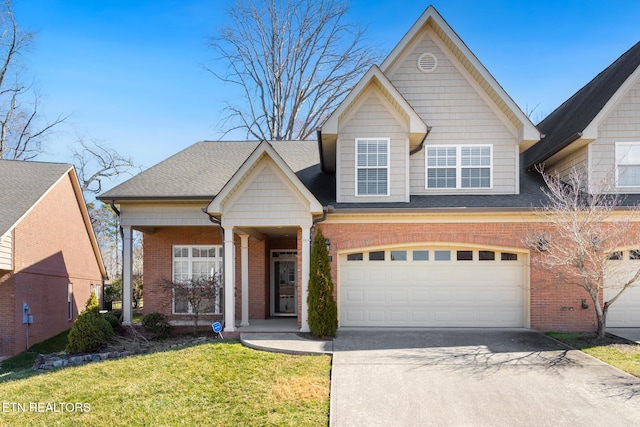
[220,383]
[614,351]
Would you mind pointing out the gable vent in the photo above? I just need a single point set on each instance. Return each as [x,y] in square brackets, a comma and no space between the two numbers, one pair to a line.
[427,62]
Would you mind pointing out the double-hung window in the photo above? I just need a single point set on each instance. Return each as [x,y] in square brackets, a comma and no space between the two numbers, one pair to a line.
[628,164]
[459,166]
[372,167]
[191,263]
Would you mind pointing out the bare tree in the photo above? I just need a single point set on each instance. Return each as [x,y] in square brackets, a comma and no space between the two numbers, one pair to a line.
[22,129]
[95,162]
[202,294]
[294,60]
[583,234]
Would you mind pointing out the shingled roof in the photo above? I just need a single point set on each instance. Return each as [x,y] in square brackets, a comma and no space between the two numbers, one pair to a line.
[202,169]
[567,122]
[22,184]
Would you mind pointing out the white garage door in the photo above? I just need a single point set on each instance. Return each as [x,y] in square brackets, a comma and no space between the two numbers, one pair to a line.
[431,287]
[625,312]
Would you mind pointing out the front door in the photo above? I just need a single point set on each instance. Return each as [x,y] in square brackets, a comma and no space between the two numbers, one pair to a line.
[284,289]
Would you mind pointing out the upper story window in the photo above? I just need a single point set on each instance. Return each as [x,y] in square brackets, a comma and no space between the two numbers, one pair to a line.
[459,166]
[372,167]
[628,164]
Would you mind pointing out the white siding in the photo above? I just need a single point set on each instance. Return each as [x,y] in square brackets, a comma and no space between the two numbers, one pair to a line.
[157,214]
[266,199]
[6,252]
[623,124]
[370,119]
[447,101]
[565,166]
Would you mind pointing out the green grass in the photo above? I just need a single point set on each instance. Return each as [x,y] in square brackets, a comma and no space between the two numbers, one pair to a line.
[616,352]
[12,367]
[220,383]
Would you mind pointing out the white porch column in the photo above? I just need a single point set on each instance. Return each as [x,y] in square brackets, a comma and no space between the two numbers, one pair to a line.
[244,260]
[229,281]
[127,275]
[305,268]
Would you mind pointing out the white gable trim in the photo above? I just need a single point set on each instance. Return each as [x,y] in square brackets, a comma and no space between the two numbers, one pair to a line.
[263,149]
[591,131]
[416,125]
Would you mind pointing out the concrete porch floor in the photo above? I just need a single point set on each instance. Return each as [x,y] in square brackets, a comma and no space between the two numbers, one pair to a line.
[274,324]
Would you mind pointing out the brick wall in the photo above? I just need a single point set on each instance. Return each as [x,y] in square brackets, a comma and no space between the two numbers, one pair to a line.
[158,269]
[554,304]
[52,249]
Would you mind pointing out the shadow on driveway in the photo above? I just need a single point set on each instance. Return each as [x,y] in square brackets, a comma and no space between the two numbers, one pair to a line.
[473,377]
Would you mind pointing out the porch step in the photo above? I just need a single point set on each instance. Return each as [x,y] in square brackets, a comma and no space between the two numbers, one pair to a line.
[287,342]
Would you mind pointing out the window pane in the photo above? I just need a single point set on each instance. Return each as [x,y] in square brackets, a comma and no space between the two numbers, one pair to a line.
[475,178]
[464,255]
[421,255]
[376,256]
[634,254]
[629,176]
[506,256]
[355,257]
[442,255]
[615,256]
[179,252]
[398,255]
[441,178]
[486,255]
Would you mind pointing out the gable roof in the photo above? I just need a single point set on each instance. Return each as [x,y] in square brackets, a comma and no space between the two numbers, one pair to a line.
[329,130]
[263,149]
[572,120]
[22,184]
[430,17]
[201,170]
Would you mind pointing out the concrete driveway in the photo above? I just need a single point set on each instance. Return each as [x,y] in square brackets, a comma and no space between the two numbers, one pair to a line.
[464,377]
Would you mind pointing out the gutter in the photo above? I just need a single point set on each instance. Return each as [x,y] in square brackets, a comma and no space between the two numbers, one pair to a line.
[421,146]
[564,144]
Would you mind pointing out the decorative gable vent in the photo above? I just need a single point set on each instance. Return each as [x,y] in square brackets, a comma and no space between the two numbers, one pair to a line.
[427,62]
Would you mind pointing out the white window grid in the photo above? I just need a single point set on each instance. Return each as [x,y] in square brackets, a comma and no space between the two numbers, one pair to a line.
[627,164]
[372,166]
[196,261]
[459,166]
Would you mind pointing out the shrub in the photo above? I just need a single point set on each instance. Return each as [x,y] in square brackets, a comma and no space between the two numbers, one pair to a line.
[156,324]
[117,314]
[90,330]
[323,310]
[114,322]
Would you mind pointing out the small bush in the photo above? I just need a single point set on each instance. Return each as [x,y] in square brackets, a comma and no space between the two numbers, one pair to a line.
[90,330]
[156,324]
[114,322]
[117,314]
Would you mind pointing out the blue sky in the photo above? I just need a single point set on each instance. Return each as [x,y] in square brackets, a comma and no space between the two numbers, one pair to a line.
[131,72]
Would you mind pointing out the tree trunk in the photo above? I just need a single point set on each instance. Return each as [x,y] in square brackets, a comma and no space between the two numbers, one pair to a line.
[601,316]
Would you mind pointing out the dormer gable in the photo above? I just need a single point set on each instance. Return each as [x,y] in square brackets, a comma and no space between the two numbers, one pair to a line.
[374,80]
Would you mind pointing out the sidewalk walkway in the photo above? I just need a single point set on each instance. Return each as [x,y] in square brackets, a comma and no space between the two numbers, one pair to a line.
[286,343]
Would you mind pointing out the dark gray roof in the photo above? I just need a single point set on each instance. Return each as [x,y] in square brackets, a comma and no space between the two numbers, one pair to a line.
[22,184]
[565,124]
[201,170]
[531,196]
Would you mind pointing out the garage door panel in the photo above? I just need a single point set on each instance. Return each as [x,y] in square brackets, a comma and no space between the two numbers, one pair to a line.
[625,312]
[432,293]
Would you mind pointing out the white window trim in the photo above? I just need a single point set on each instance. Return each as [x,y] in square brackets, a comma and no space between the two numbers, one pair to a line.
[388,140]
[458,167]
[618,160]
[218,261]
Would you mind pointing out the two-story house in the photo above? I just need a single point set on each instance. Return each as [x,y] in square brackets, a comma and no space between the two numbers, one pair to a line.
[423,182]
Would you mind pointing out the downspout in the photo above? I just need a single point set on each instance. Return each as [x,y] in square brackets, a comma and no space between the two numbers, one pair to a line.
[218,222]
[421,146]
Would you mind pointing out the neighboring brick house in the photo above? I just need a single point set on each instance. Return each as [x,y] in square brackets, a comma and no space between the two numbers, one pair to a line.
[423,182]
[49,257]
